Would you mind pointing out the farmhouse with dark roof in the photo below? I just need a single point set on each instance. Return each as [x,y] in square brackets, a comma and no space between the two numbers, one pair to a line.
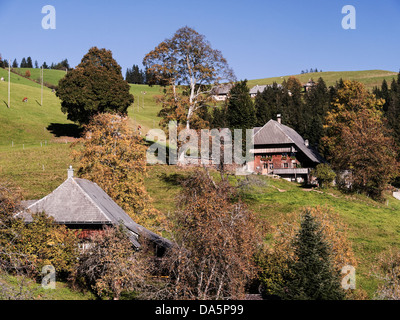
[280,150]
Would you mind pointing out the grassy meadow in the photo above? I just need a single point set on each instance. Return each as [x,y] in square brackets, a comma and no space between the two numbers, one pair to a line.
[370,78]
[50,76]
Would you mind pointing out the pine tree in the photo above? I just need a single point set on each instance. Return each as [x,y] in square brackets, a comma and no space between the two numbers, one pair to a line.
[241,111]
[315,109]
[293,105]
[313,274]
[268,104]
[393,109]
[15,63]
[29,62]
[23,63]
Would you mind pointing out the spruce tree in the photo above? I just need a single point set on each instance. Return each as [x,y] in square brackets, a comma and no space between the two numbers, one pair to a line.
[29,62]
[15,64]
[241,111]
[313,275]
[315,109]
[23,63]
[268,104]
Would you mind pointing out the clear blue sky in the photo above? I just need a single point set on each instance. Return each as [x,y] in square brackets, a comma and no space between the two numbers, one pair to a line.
[259,38]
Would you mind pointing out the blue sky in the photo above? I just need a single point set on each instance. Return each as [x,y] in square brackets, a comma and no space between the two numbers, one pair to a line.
[259,38]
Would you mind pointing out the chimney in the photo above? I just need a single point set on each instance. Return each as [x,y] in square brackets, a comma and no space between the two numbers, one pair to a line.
[70,172]
[278,118]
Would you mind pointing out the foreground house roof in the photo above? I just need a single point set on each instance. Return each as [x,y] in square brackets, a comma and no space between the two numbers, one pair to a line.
[275,133]
[82,202]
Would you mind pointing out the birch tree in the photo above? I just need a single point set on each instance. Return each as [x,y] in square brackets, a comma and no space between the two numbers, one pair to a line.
[187,59]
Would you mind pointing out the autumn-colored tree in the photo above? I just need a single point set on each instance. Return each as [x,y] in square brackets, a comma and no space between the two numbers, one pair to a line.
[45,243]
[358,140]
[26,247]
[114,157]
[95,86]
[216,237]
[110,265]
[277,258]
[188,59]
[174,108]
[27,74]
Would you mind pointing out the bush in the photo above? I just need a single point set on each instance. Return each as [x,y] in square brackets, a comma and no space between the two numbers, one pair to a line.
[325,175]
[110,266]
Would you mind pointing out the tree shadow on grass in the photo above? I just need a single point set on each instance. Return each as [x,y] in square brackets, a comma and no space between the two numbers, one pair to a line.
[174,179]
[65,130]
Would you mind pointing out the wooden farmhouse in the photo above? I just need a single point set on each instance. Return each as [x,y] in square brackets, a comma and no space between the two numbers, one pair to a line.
[82,205]
[280,150]
[221,92]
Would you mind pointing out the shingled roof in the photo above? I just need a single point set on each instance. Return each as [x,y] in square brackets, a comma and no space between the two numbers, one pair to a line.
[274,132]
[80,201]
[260,88]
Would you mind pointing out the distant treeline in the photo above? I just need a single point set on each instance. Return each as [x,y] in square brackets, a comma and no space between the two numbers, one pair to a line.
[135,75]
[27,63]
[310,71]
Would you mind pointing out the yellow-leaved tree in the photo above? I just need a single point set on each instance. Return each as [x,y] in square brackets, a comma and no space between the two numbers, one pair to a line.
[114,157]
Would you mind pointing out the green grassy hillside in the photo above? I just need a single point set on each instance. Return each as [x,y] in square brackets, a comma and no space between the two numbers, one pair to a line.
[49,75]
[370,78]
[145,109]
[29,122]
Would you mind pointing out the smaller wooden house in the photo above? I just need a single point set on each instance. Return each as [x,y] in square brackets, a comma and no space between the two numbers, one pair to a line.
[279,150]
[221,92]
[82,205]
[309,85]
[256,89]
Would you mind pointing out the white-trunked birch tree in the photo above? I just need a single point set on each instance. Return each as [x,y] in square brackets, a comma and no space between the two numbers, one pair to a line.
[188,60]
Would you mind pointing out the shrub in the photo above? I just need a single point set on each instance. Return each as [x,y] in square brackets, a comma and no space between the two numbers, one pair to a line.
[324,173]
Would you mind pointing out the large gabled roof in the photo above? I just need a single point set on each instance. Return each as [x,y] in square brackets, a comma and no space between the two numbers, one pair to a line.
[80,201]
[275,133]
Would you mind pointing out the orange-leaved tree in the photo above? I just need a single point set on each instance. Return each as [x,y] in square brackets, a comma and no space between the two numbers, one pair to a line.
[216,237]
[112,155]
[358,141]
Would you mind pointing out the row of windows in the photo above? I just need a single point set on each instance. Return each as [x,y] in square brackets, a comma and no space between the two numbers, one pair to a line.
[270,166]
